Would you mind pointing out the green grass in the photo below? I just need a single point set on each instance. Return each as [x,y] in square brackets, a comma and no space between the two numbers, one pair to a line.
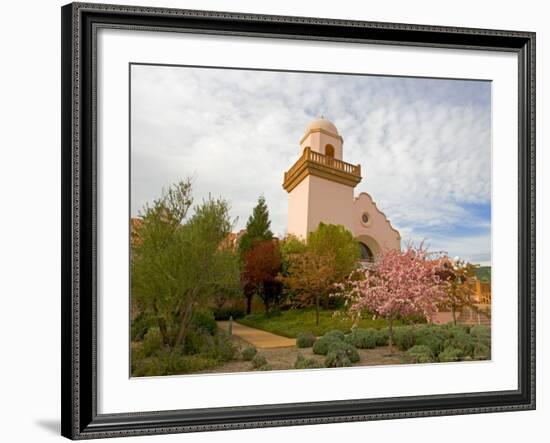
[290,323]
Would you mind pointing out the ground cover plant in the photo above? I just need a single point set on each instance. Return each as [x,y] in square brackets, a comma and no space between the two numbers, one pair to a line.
[425,343]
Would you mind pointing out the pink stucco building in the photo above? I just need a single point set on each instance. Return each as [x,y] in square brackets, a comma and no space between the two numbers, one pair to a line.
[320,188]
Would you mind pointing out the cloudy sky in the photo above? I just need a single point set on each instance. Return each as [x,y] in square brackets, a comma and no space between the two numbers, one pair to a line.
[424,144]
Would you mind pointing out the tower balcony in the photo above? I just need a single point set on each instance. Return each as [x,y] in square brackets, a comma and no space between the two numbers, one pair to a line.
[324,166]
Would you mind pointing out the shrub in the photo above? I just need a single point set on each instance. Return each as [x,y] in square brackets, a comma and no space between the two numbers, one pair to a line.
[482,352]
[258,361]
[194,341]
[404,337]
[204,322]
[266,367]
[165,362]
[336,334]
[337,359]
[381,337]
[349,350]
[190,363]
[363,338]
[450,328]
[248,353]
[333,341]
[435,343]
[227,313]
[140,326]
[305,340]
[481,331]
[201,351]
[322,344]
[218,347]
[460,339]
[152,342]
[306,363]
[419,354]
[432,336]
[482,335]
[450,354]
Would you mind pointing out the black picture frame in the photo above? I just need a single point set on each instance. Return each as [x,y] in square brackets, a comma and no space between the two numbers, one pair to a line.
[79,174]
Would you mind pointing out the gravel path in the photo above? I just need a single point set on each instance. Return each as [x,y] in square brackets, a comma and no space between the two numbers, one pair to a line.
[284,358]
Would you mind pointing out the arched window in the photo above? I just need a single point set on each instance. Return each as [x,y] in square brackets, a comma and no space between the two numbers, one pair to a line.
[329,151]
[366,253]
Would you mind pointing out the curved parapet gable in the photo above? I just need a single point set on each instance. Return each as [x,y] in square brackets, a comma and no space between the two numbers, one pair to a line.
[371,224]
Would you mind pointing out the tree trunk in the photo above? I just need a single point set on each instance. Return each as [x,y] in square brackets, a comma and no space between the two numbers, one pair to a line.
[180,339]
[163,330]
[249,303]
[390,334]
[453,311]
[317,302]
[325,301]
[162,326]
[220,303]
[264,295]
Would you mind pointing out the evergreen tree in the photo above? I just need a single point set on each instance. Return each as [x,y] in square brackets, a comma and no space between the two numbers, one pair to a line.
[257,227]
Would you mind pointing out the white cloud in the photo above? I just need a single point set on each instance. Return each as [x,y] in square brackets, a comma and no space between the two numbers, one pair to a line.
[424,145]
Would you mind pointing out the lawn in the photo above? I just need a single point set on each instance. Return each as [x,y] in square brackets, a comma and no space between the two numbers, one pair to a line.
[290,323]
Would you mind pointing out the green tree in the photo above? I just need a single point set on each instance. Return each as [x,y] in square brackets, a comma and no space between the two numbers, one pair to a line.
[160,221]
[258,226]
[310,270]
[232,291]
[179,263]
[309,277]
[289,246]
[337,244]
[199,264]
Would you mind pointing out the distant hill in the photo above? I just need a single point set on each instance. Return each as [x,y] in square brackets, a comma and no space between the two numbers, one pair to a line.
[483,273]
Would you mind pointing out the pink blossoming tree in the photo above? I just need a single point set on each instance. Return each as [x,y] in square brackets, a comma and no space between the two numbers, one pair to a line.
[401,283]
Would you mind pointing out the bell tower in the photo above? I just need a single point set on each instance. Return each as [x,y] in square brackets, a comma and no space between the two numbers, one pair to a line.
[320,184]
[322,136]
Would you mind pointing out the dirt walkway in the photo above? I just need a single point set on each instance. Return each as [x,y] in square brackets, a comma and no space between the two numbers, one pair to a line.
[256,337]
[284,358]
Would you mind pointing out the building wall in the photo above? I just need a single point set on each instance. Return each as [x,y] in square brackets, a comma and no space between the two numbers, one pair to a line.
[377,233]
[298,209]
[317,200]
[318,140]
[482,291]
[329,202]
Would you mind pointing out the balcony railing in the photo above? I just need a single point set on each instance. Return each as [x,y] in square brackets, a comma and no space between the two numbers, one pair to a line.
[331,162]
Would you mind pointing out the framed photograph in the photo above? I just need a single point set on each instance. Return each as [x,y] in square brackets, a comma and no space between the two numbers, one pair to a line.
[275,221]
